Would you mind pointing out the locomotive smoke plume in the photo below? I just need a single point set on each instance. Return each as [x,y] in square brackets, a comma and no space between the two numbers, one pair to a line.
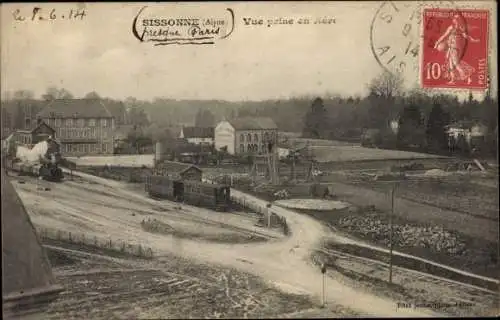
[34,155]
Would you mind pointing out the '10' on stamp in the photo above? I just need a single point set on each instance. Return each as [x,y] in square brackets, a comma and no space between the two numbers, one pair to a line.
[455,49]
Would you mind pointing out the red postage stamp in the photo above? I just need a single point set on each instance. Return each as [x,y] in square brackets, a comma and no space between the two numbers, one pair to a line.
[455,49]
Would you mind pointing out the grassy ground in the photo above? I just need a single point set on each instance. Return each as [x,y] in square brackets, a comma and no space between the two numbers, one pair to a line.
[460,195]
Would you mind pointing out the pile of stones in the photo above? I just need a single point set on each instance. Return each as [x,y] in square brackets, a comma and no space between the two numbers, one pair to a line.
[434,238]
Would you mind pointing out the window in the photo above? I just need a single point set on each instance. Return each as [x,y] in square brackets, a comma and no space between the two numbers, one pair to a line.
[256,137]
[69,122]
[91,122]
[249,148]
[80,148]
[58,122]
[242,137]
[104,122]
[249,137]
[105,148]
[266,136]
[92,148]
[242,148]
[81,123]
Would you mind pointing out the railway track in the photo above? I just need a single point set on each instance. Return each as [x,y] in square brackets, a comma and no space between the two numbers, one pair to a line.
[383,266]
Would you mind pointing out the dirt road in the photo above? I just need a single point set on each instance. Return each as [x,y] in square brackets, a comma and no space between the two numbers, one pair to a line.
[284,262]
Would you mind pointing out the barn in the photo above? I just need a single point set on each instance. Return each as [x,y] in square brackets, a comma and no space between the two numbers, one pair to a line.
[179,170]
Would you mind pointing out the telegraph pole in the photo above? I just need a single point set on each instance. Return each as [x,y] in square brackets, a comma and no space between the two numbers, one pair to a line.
[323,297]
[391,231]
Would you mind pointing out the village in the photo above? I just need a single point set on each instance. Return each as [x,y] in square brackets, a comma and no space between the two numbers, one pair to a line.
[318,168]
[343,185]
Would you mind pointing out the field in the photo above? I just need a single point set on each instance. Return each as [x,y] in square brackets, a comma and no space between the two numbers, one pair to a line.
[99,287]
[460,195]
[357,153]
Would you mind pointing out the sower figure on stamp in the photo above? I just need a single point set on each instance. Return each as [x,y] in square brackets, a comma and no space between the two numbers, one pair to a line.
[454,48]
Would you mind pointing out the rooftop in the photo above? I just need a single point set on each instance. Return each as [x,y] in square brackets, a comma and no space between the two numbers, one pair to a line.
[253,123]
[173,167]
[75,108]
[198,132]
[26,271]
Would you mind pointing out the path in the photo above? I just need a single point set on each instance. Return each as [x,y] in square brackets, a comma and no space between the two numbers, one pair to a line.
[284,263]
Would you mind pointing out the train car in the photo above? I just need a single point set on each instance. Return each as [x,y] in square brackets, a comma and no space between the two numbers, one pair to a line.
[47,171]
[163,187]
[213,196]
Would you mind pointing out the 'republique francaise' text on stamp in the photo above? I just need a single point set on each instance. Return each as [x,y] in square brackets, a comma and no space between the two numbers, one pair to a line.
[454,49]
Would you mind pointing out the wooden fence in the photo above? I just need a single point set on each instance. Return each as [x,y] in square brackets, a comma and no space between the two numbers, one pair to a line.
[136,250]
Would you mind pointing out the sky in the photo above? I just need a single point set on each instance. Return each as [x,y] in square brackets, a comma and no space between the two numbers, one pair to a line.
[100,53]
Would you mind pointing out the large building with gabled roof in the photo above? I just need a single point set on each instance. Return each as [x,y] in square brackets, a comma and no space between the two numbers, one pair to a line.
[82,126]
[246,135]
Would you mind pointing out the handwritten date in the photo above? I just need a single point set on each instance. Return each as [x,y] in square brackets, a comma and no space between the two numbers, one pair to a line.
[39,14]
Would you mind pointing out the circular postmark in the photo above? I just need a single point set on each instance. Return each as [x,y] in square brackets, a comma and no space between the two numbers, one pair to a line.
[396,35]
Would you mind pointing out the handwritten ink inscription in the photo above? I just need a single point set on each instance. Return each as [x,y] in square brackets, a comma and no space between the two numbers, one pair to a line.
[182,30]
[43,14]
[269,22]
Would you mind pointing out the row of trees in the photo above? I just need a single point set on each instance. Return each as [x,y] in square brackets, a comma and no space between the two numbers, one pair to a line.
[420,117]
[403,121]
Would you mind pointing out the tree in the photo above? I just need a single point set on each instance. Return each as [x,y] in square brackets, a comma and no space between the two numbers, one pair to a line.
[410,131]
[437,139]
[23,95]
[54,93]
[316,121]
[92,95]
[19,122]
[387,85]
[138,117]
[204,119]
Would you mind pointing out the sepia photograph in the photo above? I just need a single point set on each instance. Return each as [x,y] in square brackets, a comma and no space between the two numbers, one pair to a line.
[291,159]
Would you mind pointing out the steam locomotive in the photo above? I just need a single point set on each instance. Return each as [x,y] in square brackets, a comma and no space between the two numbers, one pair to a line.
[197,193]
[39,162]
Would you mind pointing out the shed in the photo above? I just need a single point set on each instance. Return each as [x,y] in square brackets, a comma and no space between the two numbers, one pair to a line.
[179,170]
[28,285]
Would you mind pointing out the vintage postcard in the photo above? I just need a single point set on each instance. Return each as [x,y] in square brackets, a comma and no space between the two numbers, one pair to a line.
[249,159]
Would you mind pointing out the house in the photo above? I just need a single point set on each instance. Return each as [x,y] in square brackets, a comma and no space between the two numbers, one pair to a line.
[179,170]
[30,137]
[246,135]
[473,132]
[198,135]
[28,285]
[83,126]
